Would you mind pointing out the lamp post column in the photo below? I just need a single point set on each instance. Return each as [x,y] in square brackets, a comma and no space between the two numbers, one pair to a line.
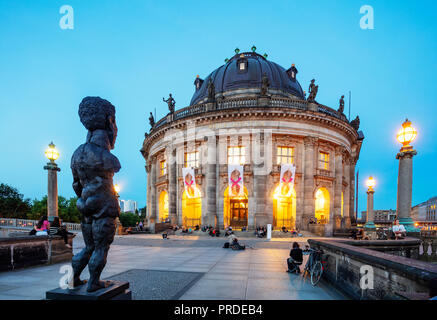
[52,182]
[405,183]
[406,135]
[370,225]
[52,190]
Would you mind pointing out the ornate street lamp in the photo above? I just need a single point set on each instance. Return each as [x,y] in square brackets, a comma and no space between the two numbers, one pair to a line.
[52,186]
[405,136]
[370,225]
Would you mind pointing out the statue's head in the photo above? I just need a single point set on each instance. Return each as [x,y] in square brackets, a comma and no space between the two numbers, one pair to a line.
[96,113]
[312,81]
[169,95]
[342,97]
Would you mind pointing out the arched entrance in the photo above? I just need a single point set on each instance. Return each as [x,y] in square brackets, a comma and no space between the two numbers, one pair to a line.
[191,210]
[322,205]
[235,210]
[284,209]
[163,206]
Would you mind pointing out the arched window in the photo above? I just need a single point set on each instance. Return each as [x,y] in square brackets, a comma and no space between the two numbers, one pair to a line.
[163,206]
[191,210]
[322,205]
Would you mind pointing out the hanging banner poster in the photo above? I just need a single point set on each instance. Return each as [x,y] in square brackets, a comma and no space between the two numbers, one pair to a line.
[190,182]
[235,176]
[288,172]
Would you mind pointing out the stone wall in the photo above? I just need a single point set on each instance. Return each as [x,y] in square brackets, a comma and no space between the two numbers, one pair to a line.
[395,276]
[26,251]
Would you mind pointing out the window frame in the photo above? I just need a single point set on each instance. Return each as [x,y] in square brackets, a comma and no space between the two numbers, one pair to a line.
[162,168]
[241,155]
[196,159]
[323,164]
[280,157]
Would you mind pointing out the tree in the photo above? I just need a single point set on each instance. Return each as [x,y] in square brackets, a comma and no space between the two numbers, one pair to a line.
[67,209]
[12,204]
[129,219]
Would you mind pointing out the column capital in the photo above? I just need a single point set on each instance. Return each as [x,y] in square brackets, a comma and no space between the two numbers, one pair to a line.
[310,141]
[340,150]
[406,154]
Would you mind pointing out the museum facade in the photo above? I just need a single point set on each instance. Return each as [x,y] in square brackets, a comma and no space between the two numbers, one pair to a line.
[252,114]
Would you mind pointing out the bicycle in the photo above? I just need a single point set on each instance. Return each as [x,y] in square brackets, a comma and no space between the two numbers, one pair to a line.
[314,265]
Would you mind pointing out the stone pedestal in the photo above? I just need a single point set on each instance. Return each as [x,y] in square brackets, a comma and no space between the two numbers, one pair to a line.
[52,190]
[405,184]
[114,290]
[313,107]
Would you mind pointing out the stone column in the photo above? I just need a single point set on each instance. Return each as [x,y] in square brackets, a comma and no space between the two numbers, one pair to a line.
[309,168]
[52,190]
[338,187]
[370,217]
[153,209]
[351,193]
[211,182]
[405,184]
[172,185]
[346,196]
[259,182]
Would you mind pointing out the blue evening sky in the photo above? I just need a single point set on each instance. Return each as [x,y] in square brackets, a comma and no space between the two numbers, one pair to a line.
[135,52]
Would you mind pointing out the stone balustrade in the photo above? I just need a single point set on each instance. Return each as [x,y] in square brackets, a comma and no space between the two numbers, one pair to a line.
[384,261]
[428,245]
[237,103]
[29,224]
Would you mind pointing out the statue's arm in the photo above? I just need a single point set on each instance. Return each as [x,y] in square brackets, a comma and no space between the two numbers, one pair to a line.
[77,186]
[110,162]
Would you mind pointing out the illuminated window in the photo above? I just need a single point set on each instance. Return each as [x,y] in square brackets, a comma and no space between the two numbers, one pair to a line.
[191,159]
[284,155]
[322,205]
[162,168]
[236,155]
[324,160]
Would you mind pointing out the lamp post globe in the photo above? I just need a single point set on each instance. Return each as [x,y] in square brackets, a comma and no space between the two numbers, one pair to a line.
[405,136]
[52,168]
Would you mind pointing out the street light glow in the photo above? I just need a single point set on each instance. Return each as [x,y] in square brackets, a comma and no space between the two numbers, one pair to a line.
[117,188]
[406,134]
[51,153]
[370,183]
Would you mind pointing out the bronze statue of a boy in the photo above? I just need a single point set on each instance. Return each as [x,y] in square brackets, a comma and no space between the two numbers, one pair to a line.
[93,168]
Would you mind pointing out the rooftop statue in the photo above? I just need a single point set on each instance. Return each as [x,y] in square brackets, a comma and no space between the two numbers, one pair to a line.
[151,120]
[341,107]
[211,91]
[312,91]
[170,102]
[93,167]
[355,123]
[265,83]
[292,72]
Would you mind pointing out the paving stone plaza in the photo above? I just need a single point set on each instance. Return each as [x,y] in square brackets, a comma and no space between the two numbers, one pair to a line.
[187,268]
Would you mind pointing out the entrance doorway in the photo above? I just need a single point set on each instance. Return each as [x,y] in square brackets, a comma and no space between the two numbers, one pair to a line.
[235,210]
[191,210]
[284,209]
[238,213]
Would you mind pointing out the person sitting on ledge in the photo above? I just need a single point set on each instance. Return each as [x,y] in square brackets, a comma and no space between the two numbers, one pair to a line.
[296,258]
[284,229]
[57,230]
[196,228]
[41,227]
[399,230]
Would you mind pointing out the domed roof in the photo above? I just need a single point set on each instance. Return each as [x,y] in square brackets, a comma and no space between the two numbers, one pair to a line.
[245,71]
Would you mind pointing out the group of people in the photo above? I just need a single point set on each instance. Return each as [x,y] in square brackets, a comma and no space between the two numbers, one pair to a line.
[54,228]
[397,232]
[260,232]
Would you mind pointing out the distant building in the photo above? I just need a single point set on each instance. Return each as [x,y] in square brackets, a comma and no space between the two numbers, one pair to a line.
[128,206]
[381,218]
[424,214]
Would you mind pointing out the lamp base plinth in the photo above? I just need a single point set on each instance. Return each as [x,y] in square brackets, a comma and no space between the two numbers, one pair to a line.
[408,224]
